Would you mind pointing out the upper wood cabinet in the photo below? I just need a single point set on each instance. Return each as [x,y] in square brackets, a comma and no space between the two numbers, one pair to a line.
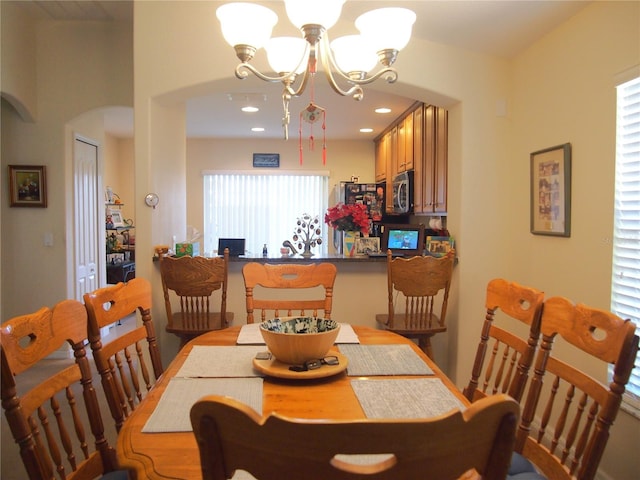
[417,141]
[382,147]
[430,177]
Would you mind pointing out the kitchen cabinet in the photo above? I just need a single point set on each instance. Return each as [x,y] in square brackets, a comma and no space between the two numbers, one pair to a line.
[382,147]
[405,159]
[416,141]
[430,178]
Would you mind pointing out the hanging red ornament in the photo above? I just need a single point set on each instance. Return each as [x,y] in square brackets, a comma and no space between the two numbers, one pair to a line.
[311,115]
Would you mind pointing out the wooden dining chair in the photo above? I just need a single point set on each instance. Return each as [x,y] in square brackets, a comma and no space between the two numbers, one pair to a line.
[231,436]
[574,411]
[288,289]
[127,370]
[503,358]
[56,422]
[415,285]
[193,281]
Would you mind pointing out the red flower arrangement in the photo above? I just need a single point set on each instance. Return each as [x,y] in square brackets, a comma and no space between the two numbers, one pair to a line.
[352,217]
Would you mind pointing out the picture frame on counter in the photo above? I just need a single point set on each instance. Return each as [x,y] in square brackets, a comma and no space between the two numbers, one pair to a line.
[439,246]
[27,186]
[551,191]
[366,245]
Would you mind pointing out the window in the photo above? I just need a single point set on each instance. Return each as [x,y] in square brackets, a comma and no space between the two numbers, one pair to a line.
[262,208]
[625,289]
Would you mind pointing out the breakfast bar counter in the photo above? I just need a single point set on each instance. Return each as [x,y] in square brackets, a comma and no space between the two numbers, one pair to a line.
[300,259]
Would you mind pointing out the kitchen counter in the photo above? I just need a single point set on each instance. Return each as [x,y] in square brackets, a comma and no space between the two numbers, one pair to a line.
[300,259]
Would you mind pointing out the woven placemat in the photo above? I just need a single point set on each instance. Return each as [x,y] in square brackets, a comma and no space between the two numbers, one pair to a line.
[172,412]
[404,398]
[217,361]
[367,360]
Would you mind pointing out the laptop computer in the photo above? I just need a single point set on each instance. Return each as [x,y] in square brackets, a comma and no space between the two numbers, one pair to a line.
[235,246]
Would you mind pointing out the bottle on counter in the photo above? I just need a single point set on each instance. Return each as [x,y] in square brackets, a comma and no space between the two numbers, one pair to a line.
[265,253]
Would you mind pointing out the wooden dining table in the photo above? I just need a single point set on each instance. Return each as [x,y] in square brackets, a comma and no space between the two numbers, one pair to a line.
[175,454]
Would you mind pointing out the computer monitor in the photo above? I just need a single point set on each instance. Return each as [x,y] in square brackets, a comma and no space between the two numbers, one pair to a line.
[235,246]
[407,240]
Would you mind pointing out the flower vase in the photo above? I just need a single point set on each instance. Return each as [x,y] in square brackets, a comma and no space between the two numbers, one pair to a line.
[349,243]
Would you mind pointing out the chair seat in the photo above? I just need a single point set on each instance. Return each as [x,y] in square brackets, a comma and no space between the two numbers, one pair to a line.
[401,329]
[522,469]
[211,321]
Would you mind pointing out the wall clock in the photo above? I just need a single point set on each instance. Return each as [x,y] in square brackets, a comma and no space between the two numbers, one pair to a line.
[151,200]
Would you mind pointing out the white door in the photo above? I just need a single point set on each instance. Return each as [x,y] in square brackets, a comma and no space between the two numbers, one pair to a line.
[87,223]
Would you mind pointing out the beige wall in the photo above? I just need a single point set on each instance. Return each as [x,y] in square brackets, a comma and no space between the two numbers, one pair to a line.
[344,159]
[87,65]
[560,90]
[564,91]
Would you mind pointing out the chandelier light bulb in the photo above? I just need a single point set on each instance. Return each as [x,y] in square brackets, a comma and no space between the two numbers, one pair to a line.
[353,55]
[386,28]
[246,24]
[314,12]
[285,54]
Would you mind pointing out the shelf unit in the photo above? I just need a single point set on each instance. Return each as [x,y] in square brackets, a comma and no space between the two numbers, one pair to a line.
[120,252]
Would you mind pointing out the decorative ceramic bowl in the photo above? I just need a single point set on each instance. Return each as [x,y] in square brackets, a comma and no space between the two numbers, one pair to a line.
[295,340]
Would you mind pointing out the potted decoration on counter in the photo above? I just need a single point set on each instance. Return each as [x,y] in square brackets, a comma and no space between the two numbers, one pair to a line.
[350,219]
[307,234]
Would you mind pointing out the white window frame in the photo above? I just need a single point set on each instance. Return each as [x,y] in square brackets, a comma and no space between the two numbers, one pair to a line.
[625,284]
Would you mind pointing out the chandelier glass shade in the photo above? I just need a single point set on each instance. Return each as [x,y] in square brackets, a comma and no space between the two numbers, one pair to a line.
[347,61]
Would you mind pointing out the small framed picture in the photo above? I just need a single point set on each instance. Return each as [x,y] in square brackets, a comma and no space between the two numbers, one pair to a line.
[266,160]
[551,191]
[27,186]
[439,246]
[366,245]
[116,218]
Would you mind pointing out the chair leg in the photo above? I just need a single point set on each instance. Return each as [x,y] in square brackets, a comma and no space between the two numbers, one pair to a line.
[425,344]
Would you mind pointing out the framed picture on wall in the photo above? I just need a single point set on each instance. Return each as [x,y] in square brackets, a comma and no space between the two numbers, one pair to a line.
[27,186]
[266,160]
[551,191]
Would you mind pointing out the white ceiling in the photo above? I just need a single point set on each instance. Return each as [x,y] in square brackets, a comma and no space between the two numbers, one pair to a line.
[501,28]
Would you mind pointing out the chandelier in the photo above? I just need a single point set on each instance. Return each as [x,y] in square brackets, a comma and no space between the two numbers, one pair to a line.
[346,60]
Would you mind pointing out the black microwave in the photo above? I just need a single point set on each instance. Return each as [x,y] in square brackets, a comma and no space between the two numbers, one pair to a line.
[403,193]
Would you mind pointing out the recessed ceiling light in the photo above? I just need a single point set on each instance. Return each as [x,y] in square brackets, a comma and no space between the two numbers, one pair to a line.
[257,129]
[383,110]
[366,130]
[250,109]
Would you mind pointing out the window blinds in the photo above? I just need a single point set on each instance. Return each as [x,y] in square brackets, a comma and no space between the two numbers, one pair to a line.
[262,208]
[625,291]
